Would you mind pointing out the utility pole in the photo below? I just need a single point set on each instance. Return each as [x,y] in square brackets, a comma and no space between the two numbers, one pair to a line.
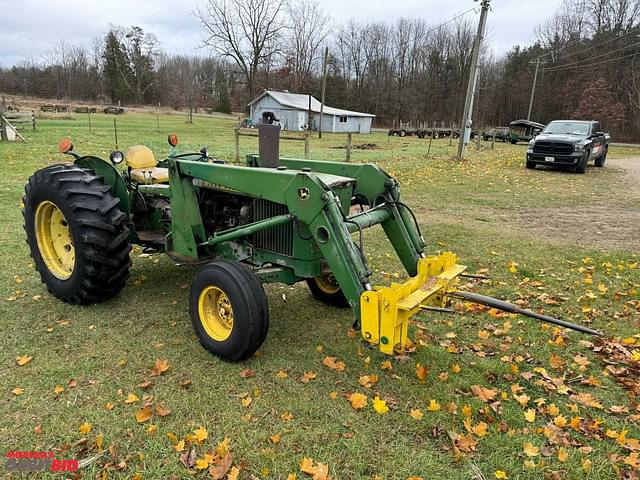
[533,88]
[324,87]
[465,134]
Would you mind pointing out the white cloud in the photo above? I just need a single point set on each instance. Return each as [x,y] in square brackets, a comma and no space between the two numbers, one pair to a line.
[31,28]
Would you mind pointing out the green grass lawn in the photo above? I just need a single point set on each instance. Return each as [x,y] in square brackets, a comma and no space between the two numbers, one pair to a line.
[554,241]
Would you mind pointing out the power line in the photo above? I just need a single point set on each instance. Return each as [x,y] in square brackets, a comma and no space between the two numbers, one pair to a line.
[592,46]
[433,29]
[570,67]
[579,62]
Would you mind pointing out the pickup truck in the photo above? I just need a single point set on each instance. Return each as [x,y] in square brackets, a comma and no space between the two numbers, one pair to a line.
[569,143]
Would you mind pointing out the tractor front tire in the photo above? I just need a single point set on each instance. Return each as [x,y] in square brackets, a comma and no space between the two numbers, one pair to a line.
[326,289]
[229,310]
[77,234]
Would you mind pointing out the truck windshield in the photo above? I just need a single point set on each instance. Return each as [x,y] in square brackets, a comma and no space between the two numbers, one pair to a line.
[567,128]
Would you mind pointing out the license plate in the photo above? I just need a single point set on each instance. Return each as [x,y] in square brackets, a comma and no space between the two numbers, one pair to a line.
[549,159]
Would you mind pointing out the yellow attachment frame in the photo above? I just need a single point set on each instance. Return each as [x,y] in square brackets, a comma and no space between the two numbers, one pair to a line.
[385,311]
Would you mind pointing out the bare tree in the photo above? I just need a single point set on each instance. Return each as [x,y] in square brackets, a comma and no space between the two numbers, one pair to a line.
[309,29]
[247,31]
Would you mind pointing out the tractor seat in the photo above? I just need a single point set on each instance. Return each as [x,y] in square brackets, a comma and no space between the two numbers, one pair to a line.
[142,162]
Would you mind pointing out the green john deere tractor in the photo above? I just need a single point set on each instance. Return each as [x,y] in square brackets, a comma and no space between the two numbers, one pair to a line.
[273,220]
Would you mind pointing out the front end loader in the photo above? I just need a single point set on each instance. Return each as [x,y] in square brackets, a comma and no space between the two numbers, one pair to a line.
[271,220]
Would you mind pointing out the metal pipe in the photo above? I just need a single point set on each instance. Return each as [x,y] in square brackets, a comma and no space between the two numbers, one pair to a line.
[511,308]
[367,219]
[248,229]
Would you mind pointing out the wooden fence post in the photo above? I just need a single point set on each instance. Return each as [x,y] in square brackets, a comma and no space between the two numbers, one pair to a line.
[493,139]
[237,135]
[451,133]
[478,138]
[349,140]
[3,125]
[307,134]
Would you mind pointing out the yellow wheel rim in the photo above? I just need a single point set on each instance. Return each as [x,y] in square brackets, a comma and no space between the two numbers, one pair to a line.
[327,284]
[53,237]
[216,314]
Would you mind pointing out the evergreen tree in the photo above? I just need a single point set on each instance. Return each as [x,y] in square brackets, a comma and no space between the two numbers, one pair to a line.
[115,68]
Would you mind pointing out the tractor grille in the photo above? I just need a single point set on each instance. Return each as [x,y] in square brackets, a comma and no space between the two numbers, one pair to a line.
[275,239]
[557,148]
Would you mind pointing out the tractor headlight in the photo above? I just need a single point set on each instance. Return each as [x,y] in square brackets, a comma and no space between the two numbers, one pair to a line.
[116,157]
[578,147]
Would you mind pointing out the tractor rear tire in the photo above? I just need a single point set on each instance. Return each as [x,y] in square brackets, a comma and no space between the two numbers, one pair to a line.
[229,310]
[327,290]
[77,234]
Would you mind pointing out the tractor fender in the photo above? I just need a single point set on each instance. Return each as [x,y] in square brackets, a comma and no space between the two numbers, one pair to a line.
[111,176]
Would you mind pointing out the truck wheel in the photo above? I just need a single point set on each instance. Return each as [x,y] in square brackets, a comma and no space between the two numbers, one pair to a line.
[326,289]
[403,133]
[599,162]
[581,167]
[531,165]
[229,310]
[77,234]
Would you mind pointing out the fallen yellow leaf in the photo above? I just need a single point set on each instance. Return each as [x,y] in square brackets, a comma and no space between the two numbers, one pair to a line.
[530,415]
[85,428]
[144,414]
[531,450]
[358,400]
[131,398]
[200,434]
[380,405]
[433,406]
[416,414]
[23,359]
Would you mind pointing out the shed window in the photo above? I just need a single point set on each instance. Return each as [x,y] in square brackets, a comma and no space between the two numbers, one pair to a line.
[343,119]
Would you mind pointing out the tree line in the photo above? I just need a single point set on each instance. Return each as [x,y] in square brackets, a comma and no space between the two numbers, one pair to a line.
[404,70]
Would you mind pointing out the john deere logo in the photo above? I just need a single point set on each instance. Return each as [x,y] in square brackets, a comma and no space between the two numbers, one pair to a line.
[303,193]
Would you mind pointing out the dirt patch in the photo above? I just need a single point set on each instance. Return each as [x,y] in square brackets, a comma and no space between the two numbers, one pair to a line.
[593,225]
[606,224]
[609,223]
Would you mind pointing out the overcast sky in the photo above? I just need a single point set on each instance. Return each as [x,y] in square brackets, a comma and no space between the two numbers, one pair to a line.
[31,28]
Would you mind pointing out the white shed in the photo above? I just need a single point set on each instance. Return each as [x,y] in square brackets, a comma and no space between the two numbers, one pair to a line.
[291,110]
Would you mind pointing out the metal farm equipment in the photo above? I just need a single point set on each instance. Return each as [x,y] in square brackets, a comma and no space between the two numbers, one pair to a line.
[273,220]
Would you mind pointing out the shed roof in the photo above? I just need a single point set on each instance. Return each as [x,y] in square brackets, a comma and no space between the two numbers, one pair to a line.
[527,123]
[300,101]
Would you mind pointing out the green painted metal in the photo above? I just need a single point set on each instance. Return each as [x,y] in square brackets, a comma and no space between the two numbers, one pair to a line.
[315,203]
[368,219]
[111,176]
[246,230]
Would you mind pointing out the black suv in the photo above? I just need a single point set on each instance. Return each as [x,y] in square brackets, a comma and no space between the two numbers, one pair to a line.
[569,143]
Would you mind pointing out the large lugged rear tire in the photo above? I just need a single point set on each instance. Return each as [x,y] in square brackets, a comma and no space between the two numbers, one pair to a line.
[77,234]
[229,310]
